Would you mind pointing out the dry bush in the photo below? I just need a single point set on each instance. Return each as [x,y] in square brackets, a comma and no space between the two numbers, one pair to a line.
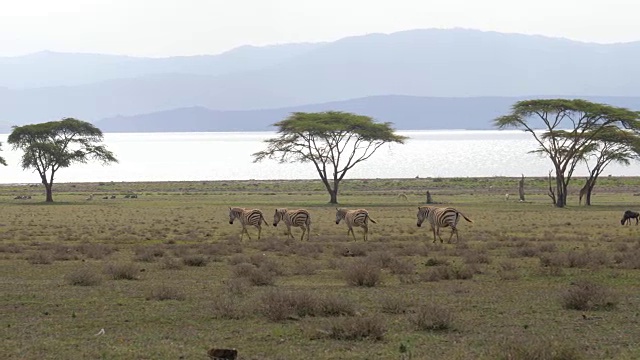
[357,328]
[63,253]
[227,307]
[354,250]
[148,254]
[255,275]
[586,295]
[383,258]
[577,259]
[508,266]
[401,267]
[83,276]
[236,286]
[11,248]
[165,292]
[533,348]
[549,247]
[395,304]
[305,268]
[466,272]
[40,258]
[628,260]
[273,245]
[307,250]
[473,257]
[279,305]
[432,317]
[122,271]
[95,250]
[553,260]
[435,262]
[411,249]
[195,260]
[362,272]
[437,273]
[266,263]
[508,274]
[525,251]
[171,263]
[239,259]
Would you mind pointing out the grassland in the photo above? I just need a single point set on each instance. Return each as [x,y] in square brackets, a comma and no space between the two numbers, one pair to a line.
[166,276]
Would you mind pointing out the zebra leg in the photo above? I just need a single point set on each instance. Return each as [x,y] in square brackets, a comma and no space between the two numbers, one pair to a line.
[259,231]
[352,234]
[453,230]
[289,234]
[439,237]
[304,229]
[244,230]
[366,233]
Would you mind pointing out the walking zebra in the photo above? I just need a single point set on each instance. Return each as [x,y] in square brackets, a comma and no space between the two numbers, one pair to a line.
[252,217]
[353,218]
[297,218]
[441,217]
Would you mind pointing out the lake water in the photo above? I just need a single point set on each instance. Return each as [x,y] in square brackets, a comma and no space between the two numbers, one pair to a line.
[227,156]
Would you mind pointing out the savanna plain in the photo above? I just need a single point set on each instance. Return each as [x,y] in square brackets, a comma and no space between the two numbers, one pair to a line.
[165,276]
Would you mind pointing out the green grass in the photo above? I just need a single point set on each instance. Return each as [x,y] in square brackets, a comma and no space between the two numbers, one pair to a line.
[194,285]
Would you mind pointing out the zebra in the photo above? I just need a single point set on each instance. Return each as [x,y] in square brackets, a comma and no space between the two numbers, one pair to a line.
[441,217]
[297,218]
[359,217]
[253,217]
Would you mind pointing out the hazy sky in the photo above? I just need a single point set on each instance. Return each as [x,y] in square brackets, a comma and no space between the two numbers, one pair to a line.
[188,27]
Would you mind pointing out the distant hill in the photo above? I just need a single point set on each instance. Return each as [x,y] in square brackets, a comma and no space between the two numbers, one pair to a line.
[423,63]
[406,112]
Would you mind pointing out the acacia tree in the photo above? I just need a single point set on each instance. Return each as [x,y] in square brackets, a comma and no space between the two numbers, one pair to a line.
[53,145]
[333,141]
[610,145]
[569,127]
[2,161]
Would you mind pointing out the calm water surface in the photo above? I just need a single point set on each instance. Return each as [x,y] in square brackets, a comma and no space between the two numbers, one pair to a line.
[227,156]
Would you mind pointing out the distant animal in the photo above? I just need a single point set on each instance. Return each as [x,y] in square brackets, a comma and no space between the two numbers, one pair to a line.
[359,218]
[506,197]
[251,217]
[297,218]
[440,218]
[112,197]
[127,196]
[628,215]
[90,197]
[222,354]
[402,196]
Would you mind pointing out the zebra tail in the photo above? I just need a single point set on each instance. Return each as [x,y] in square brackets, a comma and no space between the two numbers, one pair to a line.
[466,218]
[370,218]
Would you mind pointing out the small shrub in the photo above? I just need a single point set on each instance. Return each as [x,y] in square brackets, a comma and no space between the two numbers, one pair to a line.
[477,258]
[357,328]
[95,251]
[438,273]
[530,348]
[577,259]
[401,267]
[585,295]
[128,271]
[227,307]
[165,292]
[11,248]
[236,286]
[435,262]
[195,260]
[148,254]
[83,277]
[363,273]
[432,318]
[254,275]
[552,260]
[40,258]
[171,263]
[394,304]
[382,258]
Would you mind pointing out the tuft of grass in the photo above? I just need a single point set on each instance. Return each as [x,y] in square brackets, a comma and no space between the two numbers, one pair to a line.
[395,304]
[357,328]
[534,348]
[227,307]
[122,271]
[431,317]
[40,258]
[165,292]
[586,295]
[171,263]
[83,276]
[362,272]
[195,260]
[255,275]
[279,305]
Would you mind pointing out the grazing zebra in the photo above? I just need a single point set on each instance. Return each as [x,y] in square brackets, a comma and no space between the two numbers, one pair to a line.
[440,217]
[252,217]
[297,218]
[353,218]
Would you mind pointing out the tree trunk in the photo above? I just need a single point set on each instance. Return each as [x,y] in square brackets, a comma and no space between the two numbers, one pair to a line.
[334,197]
[48,188]
[429,199]
[561,190]
[521,188]
[592,184]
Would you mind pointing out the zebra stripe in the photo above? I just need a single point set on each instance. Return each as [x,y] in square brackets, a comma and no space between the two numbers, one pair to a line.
[247,217]
[297,218]
[441,217]
[359,217]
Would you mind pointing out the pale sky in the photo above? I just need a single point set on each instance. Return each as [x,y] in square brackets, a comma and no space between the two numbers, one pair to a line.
[189,27]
